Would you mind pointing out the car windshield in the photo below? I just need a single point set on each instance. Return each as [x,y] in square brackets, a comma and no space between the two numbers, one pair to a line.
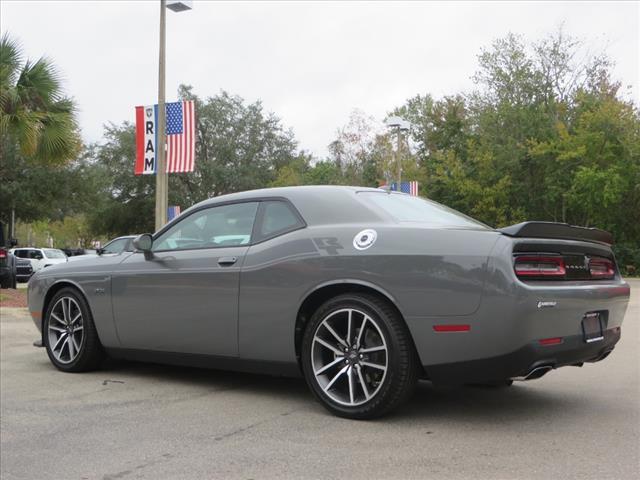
[53,253]
[406,208]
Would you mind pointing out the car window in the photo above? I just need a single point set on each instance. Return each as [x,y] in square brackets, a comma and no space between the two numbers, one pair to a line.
[223,226]
[278,217]
[406,208]
[116,246]
[21,253]
[54,253]
[35,254]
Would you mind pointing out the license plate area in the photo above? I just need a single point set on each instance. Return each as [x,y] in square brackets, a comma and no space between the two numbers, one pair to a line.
[592,327]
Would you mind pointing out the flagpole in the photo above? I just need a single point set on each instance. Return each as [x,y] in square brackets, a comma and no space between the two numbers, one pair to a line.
[162,183]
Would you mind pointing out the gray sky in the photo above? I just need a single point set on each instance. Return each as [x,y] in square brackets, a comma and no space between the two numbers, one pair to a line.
[311,63]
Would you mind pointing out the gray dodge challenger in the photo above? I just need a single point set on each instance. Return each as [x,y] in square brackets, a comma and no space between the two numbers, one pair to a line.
[360,290]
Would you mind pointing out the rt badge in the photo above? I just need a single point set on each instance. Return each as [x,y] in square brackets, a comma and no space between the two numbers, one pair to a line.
[365,239]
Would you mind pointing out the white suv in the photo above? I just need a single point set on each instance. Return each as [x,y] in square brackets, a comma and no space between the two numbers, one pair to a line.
[40,257]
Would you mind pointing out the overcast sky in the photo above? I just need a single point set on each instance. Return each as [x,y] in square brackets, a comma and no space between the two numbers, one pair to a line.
[311,63]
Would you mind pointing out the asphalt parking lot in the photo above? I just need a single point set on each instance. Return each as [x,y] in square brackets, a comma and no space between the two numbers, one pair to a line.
[133,421]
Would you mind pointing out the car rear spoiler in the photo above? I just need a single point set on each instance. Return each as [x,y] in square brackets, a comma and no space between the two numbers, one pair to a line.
[557,230]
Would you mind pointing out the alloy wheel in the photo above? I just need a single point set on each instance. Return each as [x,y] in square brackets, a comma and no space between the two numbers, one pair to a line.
[65,330]
[349,356]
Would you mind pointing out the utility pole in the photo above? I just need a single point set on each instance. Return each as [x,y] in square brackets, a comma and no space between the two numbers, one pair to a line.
[162,184]
[13,221]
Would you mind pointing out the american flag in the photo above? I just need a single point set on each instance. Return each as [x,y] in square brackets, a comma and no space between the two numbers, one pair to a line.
[172,212]
[407,187]
[181,139]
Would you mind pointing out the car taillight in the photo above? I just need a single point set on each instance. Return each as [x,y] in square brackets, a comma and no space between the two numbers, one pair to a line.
[539,266]
[3,254]
[601,268]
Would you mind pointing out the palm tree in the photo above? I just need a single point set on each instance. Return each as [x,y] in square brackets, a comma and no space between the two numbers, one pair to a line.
[36,118]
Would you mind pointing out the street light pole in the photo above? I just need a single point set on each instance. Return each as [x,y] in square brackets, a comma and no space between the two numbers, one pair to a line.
[162,184]
[399,159]
[399,124]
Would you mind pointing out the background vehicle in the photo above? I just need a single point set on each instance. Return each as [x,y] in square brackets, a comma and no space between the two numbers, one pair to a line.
[40,257]
[362,290]
[118,246]
[114,247]
[78,252]
[24,270]
[7,262]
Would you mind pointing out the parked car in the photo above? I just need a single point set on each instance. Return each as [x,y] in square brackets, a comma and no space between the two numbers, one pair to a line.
[40,257]
[24,270]
[116,246]
[7,262]
[75,252]
[361,290]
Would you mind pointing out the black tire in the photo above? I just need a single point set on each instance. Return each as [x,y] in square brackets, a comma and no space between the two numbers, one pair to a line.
[402,370]
[6,283]
[91,354]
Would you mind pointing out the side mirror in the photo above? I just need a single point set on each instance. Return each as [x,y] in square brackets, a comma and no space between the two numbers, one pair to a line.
[99,251]
[144,243]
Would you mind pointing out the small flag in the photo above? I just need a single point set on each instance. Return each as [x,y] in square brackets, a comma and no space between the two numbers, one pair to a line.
[181,140]
[172,212]
[406,187]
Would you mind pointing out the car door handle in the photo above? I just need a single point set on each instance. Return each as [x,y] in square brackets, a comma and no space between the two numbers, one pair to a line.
[227,261]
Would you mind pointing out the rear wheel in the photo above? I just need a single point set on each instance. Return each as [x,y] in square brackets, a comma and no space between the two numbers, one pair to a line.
[69,333]
[357,357]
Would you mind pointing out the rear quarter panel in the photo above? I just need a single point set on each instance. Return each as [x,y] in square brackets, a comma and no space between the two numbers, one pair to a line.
[426,272]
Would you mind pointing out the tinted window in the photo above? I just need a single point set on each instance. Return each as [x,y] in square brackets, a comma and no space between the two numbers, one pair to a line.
[278,217]
[116,246]
[21,253]
[224,226]
[405,208]
[35,254]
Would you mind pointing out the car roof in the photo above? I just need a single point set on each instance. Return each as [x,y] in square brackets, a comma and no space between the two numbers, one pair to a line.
[318,204]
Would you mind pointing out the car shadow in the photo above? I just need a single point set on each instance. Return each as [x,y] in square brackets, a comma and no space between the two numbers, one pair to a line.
[465,404]
[215,380]
[486,405]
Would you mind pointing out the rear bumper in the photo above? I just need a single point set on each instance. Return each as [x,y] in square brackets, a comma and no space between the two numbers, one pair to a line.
[518,364]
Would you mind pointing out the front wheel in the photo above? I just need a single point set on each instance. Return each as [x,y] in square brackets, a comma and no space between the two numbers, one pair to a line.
[69,333]
[358,357]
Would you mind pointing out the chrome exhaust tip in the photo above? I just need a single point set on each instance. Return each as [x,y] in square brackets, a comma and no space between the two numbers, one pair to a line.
[534,373]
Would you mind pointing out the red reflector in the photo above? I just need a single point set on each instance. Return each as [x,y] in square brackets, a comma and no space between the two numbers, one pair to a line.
[452,328]
[539,266]
[550,341]
[3,253]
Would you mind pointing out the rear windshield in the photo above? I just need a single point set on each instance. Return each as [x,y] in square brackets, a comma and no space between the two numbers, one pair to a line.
[53,253]
[406,208]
